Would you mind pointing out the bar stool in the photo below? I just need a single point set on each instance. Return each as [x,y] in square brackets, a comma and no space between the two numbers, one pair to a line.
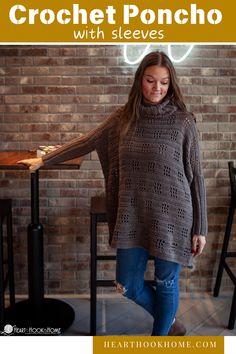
[224,253]
[8,276]
[98,215]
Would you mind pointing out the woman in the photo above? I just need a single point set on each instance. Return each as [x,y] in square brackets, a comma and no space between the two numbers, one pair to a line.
[154,186]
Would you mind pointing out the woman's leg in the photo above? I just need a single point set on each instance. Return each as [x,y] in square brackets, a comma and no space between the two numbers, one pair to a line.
[130,268]
[167,295]
[161,303]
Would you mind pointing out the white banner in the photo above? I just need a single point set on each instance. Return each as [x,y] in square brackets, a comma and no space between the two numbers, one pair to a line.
[230,345]
[45,345]
[64,345]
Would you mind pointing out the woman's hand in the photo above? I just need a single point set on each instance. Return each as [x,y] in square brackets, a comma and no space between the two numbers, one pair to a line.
[34,164]
[198,243]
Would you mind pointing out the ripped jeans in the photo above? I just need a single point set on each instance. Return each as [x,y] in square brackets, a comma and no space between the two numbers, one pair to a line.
[162,301]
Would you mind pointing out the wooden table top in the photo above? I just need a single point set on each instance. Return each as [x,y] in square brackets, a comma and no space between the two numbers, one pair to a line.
[8,161]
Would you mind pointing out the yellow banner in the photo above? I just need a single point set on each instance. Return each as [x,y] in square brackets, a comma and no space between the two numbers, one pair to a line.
[160,345]
[137,21]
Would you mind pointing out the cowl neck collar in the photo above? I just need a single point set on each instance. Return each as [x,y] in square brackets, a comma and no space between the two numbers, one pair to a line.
[167,107]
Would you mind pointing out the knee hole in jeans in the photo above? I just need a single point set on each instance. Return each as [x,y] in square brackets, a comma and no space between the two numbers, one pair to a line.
[120,288]
[131,290]
[168,283]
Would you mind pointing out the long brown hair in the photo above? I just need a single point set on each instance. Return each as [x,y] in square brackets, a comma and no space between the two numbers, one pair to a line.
[131,108]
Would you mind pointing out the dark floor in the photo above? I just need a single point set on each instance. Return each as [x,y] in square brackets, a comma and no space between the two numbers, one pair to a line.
[202,315]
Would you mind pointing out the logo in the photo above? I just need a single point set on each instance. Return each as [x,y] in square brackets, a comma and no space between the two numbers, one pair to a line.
[10,330]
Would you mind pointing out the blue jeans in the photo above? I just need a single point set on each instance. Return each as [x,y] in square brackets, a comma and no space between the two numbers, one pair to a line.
[162,301]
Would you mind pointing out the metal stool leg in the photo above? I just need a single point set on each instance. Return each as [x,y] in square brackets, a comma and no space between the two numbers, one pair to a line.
[224,249]
[6,214]
[93,286]
[232,316]
[1,278]
[10,257]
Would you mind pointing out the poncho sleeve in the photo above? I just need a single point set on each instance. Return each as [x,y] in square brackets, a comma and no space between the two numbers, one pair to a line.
[82,145]
[194,174]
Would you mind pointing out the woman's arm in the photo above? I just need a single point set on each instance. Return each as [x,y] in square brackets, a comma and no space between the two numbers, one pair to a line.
[33,164]
[197,186]
[198,244]
[75,148]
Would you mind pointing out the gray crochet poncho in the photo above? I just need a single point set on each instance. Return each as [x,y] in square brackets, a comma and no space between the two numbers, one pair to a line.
[153,178]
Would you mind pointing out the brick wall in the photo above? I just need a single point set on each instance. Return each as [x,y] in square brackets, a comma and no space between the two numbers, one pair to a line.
[50,93]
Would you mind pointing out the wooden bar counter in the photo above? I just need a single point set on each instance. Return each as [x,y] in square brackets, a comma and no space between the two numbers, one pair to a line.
[37,311]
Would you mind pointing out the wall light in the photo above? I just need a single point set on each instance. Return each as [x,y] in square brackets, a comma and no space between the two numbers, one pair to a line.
[169,50]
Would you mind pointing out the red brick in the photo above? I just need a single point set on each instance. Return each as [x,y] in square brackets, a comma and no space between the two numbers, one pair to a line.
[212,118]
[10,71]
[117,70]
[65,108]
[215,99]
[64,90]
[107,80]
[91,70]
[105,61]
[20,80]
[222,90]
[113,51]
[33,127]
[90,51]
[186,80]
[8,52]
[34,70]
[227,109]
[47,61]
[116,89]
[63,70]
[233,118]
[33,89]
[89,89]
[47,80]
[9,90]
[19,61]
[76,80]
[204,52]
[46,137]
[33,52]
[49,99]
[76,61]
[93,108]
[34,108]
[18,99]
[75,99]
[61,52]
[216,81]
[188,99]
[227,53]
[227,72]
[216,62]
